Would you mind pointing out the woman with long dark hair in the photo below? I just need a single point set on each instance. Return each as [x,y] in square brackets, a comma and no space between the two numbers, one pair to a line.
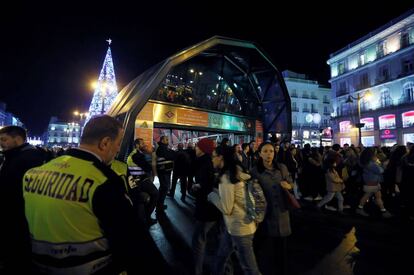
[270,238]
[230,199]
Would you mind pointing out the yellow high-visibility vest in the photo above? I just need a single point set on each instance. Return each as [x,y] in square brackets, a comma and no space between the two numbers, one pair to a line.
[58,205]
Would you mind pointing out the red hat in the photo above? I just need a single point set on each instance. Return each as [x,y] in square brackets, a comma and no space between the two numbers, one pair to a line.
[206,145]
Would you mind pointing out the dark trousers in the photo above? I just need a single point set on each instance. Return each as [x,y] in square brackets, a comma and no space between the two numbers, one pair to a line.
[165,180]
[183,184]
[199,242]
[271,254]
[145,199]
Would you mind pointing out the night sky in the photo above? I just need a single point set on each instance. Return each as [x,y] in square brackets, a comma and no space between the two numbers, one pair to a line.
[50,55]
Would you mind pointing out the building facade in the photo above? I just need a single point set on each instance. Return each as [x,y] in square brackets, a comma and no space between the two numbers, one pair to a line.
[311,110]
[376,72]
[7,118]
[62,134]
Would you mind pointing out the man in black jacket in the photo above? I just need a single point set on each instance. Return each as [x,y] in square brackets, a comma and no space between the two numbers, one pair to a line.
[19,157]
[165,164]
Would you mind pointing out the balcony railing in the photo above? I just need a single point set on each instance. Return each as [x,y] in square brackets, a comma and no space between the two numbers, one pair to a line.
[314,110]
[325,101]
[341,92]
[305,110]
[294,95]
[305,96]
[295,109]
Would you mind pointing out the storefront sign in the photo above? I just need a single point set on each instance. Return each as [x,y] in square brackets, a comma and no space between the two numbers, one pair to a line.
[192,117]
[388,134]
[162,113]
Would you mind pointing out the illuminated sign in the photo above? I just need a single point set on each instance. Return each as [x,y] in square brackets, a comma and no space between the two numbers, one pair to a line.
[388,134]
[369,124]
[345,126]
[408,119]
[163,113]
[387,122]
[327,132]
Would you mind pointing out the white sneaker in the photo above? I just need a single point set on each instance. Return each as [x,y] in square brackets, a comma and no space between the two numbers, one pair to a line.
[361,212]
[330,208]
[318,198]
[308,198]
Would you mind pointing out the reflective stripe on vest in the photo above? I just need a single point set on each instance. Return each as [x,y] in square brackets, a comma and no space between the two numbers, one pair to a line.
[90,267]
[136,171]
[64,250]
[164,164]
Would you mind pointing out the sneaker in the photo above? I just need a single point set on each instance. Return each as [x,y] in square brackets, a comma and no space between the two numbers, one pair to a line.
[318,198]
[308,198]
[361,211]
[330,208]
[346,206]
[386,215]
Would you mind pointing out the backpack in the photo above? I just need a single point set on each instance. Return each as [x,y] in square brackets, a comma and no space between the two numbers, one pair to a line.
[255,202]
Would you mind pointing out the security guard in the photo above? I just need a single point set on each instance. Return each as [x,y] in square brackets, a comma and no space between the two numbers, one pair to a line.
[165,164]
[121,169]
[143,192]
[80,218]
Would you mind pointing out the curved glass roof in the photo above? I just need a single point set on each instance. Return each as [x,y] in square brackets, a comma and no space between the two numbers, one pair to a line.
[220,75]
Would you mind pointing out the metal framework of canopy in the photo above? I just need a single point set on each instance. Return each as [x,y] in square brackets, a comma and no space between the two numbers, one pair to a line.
[218,73]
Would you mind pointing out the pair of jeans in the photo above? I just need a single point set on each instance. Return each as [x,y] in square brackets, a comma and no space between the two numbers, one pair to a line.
[243,246]
[329,196]
[199,242]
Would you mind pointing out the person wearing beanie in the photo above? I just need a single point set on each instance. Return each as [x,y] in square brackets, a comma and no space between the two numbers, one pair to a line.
[206,145]
[206,214]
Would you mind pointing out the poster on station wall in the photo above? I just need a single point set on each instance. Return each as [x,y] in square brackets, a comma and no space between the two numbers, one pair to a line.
[259,132]
[144,124]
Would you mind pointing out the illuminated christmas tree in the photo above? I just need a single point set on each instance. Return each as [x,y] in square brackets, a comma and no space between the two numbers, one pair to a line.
[105,89]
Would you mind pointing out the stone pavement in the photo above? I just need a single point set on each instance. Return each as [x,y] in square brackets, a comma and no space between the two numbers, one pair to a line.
[322,242]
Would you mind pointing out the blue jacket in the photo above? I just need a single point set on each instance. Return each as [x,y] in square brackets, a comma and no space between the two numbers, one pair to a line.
[372,173]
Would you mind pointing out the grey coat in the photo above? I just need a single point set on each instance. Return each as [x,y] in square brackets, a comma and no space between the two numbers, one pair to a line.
[277,221]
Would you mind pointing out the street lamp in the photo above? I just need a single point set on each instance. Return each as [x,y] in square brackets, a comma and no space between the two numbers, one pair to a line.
[81,115]
[359,125]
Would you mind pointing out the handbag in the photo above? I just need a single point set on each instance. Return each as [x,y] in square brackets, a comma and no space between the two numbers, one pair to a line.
[291,200]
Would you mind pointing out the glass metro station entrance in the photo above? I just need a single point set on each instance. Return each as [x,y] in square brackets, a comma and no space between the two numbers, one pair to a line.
[219,88]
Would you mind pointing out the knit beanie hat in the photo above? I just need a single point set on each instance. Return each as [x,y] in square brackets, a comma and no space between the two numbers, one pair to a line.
[206,145]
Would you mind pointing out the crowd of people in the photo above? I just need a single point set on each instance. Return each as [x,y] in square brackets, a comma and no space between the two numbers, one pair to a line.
[81,211]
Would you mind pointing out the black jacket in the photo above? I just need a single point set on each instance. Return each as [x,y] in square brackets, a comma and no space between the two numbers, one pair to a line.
[14,232]
[204,175]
